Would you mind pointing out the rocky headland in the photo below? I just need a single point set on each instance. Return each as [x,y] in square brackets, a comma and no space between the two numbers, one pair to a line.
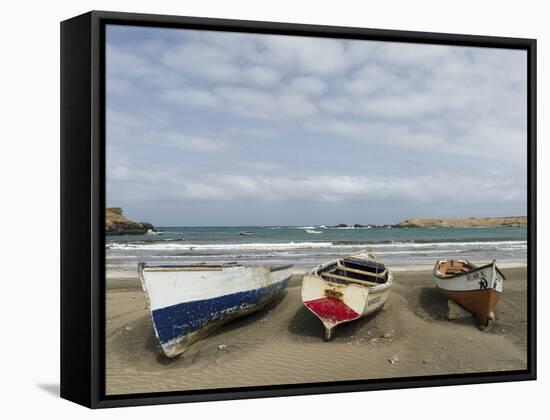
[513,221]
[117,224]
[485,222]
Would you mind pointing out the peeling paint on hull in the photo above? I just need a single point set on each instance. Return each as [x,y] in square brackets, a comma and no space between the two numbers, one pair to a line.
[338,301]
[479,302]
[181,317]
[476,289]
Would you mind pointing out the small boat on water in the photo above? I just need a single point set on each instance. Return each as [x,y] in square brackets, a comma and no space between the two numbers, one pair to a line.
[189,301]
[476,289]
[243,233]
[346,289]
[313,231]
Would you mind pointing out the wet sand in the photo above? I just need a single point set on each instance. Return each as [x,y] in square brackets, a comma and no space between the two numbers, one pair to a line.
[282,344]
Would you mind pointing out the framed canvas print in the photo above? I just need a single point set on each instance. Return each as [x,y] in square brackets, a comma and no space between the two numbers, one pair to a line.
[256,209]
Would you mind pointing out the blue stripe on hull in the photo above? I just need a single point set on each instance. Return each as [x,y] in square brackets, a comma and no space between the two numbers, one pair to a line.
[178,320]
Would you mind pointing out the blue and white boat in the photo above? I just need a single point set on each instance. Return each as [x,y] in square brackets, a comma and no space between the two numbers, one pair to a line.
[189,301]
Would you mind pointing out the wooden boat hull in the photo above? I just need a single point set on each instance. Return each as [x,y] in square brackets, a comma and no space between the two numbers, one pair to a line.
[188,302]
[478,302]
[336,299]
[477,289]
[335,304]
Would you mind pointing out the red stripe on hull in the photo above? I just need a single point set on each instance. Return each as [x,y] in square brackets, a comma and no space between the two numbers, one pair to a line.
[331,310]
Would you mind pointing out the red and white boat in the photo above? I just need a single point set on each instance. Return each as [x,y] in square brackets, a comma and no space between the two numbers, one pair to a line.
[346,289]
[476,289]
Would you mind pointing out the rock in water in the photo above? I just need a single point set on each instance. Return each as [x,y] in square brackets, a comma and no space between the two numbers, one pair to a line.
[117,224]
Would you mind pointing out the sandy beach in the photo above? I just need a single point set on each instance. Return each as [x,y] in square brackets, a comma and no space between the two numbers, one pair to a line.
[282,344]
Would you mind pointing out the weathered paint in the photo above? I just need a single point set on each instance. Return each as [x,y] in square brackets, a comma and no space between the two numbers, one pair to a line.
[187,303]
[338,302]
[478,290]
[331,310]
[482,278]
[180,319]
[479,302]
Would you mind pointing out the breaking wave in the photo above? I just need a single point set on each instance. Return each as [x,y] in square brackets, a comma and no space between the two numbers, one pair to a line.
[180,245]
[223,246]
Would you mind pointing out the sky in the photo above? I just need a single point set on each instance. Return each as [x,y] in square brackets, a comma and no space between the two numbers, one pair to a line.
[210,128]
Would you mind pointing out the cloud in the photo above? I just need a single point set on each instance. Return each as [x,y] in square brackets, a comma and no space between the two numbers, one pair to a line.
[119,86]
[129,131]
[263,166]
[187,143]
[261,75]
[263,102]
[121,119]
[491,139]
[308,55]
[345,86]
[206,60]
[416,55]
[252,103]
[187,186]
[125,63]
[119,173]
[191,97]
[308,85]
[203,61]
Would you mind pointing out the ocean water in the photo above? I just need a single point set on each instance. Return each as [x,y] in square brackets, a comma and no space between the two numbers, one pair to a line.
[307,246]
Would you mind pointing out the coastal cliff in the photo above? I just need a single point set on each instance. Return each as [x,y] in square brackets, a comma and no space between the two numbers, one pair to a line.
[117,224]
[515,221]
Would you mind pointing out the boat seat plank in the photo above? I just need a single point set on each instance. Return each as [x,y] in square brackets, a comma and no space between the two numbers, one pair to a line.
[381,275]
[350,280]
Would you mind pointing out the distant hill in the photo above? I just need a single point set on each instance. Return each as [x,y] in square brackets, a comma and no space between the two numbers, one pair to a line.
[117,224]
[513,221]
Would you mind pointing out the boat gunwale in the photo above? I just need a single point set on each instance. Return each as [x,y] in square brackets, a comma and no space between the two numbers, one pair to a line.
[437,274]
[188,267]
[206,267]
[274,268]
[373,288]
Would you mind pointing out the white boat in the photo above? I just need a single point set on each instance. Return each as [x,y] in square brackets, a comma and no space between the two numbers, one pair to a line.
[477,289]
[313,231]
[189,301]
[346,289]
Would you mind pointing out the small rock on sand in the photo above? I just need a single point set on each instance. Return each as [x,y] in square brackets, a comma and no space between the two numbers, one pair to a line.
[388,334]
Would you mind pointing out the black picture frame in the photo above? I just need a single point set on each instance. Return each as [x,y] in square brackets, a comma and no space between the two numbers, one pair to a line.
[83,207]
